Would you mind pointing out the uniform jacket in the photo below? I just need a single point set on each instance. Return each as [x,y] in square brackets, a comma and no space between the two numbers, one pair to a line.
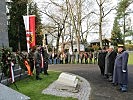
[121,62]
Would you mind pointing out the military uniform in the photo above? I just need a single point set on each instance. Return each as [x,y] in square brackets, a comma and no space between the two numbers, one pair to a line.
[120,75]
[46,59]
[31,60]
[37,58]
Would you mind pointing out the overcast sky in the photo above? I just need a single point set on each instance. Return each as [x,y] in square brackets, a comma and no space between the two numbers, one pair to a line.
[92,36]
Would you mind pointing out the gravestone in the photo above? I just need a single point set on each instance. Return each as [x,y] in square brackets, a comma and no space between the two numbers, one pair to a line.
[3,25]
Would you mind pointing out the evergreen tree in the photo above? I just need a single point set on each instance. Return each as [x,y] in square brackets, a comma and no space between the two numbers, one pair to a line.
[17,34]
[16,25]
[34,10]
[116,35]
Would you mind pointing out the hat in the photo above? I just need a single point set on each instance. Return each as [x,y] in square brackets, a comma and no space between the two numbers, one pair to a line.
[120,45]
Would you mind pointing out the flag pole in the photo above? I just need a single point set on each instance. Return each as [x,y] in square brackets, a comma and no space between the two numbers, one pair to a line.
[27,31]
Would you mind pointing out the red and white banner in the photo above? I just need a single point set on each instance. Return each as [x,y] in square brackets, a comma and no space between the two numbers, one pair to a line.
[42,61]
[29,22]
[12,72]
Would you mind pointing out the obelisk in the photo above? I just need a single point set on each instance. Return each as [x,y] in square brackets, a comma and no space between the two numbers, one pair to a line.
[3,25]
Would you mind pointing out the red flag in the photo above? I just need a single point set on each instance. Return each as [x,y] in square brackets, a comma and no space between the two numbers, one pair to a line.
[29,22]
[32,30]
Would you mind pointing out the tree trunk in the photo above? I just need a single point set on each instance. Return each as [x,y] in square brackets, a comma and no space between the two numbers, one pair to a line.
[100,24]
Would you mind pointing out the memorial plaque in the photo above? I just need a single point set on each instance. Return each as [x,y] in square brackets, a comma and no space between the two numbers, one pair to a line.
[68,79]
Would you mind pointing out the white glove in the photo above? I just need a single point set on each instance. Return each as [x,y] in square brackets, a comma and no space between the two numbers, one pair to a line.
[123,71]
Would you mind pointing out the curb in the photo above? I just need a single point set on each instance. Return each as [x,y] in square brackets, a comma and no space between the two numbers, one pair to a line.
[83,94]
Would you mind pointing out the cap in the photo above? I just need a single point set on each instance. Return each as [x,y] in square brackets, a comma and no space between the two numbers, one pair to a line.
[120,45]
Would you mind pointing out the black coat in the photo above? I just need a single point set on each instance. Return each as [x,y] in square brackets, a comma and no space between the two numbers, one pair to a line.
[101,58]
[112,57]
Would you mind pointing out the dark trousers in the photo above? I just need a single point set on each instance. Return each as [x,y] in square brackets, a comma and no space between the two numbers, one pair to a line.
[102,69]
[31,65]
[38,69]
[45,67]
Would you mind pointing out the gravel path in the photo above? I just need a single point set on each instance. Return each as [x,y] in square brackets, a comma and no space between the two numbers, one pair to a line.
[101,89]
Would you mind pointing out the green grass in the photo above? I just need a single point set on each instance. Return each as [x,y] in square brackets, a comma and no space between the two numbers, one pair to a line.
[130,60]
[33,88]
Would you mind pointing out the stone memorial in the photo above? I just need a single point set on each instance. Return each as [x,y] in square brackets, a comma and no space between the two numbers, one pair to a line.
[67,79]
[7,93]
[3,25]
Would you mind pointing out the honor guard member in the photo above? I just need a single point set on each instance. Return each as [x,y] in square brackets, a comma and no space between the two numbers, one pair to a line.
[37,58]
[31,59]
[120,75]
[46,59]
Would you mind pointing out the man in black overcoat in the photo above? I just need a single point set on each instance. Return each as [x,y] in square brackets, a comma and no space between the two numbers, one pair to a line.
[112,57]
[101,60]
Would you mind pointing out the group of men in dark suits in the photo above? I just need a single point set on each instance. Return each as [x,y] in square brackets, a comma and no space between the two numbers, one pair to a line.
[113,65]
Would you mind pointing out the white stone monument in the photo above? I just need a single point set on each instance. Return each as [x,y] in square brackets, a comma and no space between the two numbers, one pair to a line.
[68,80]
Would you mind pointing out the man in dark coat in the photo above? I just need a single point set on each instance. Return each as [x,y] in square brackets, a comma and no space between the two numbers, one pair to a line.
[120,75]
[101,60]
[112,57]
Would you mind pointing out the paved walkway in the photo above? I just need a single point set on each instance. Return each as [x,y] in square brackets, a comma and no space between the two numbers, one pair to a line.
[101,89]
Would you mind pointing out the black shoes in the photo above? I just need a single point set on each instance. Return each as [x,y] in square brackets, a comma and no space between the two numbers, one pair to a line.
[38,78]
[46,74]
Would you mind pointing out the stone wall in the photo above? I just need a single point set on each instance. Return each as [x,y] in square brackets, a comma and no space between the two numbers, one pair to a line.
[3,25]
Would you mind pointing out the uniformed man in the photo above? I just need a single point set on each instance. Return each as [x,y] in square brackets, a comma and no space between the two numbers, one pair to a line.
[31,59]
[37,58]
[120,75]
[46,59]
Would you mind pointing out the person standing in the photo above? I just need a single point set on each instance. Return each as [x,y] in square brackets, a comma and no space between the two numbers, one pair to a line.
[31,59]
[45,58]
[101,60]
[90,57]
[86,57]
[76,56]
[95,56]
[120,75]
[112,57]
[81,57]
[37,58]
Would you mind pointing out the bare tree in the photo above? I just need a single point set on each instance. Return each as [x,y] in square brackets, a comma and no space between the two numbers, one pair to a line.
[59,19]
[103,12]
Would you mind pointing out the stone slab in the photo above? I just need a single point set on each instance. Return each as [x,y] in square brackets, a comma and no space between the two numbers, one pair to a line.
[7,93]
[67,79]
